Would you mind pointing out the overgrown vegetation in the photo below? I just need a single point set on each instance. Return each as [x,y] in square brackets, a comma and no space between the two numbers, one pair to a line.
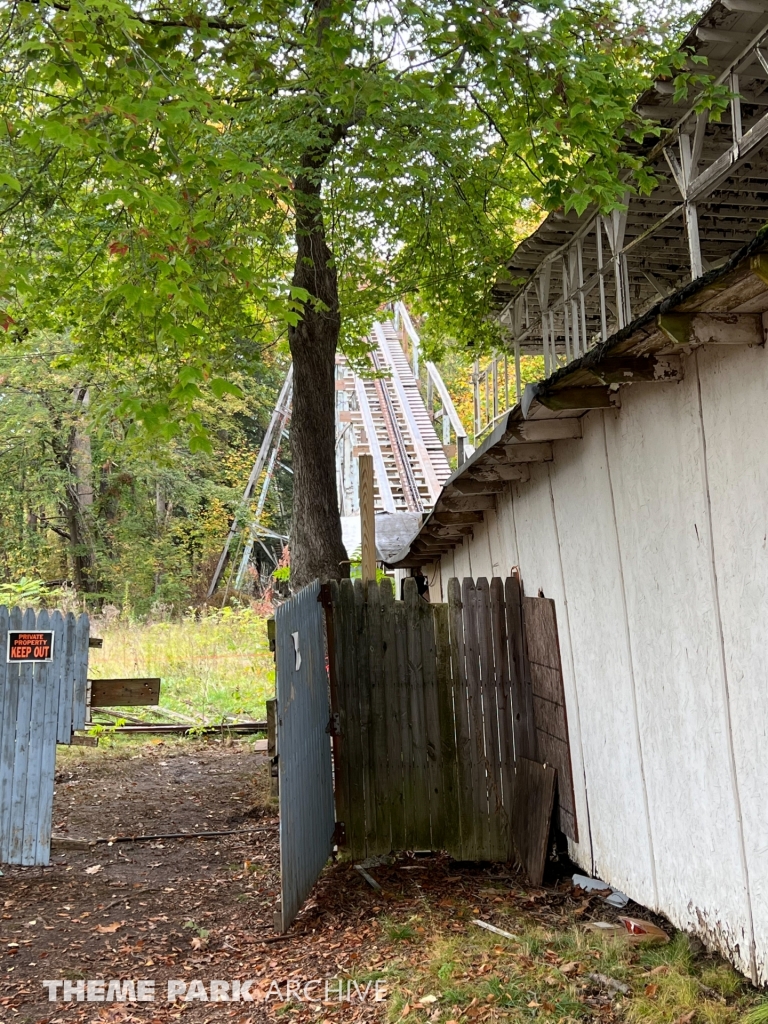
[122,515]
[456,972]
[214,666]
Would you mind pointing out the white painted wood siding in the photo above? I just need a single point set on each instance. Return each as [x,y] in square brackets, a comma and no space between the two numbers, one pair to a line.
[651,535]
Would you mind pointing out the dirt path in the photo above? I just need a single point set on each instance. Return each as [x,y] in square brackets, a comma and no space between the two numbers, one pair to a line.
[171,909]
[197,911]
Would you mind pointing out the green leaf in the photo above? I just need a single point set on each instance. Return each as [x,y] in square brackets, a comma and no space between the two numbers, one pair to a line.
[219,386]
[200,443]
[10,181]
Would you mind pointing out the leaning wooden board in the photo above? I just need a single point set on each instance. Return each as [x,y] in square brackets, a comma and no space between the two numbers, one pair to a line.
[549,712]
[531,816]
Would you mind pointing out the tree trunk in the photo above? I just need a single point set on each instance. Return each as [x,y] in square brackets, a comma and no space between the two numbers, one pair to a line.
[69,448]
[317,551]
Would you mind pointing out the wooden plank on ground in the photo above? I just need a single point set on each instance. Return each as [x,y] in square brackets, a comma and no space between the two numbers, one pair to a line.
[503,706]
[522,702]
[421,838]
[477,738]
[532,815]
[129,693]
[84,741]
[461,710]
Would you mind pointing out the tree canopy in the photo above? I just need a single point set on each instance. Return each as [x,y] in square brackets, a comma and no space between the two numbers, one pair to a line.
[186,185]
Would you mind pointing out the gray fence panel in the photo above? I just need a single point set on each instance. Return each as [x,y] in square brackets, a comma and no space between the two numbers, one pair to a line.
[40,702]
[4,622]
[67,673]
[21,753]
[8,744]
[41,829]
[82,632]
[307,819]
[41,686]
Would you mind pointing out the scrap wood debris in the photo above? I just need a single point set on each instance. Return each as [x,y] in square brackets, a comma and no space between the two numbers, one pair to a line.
[199,912]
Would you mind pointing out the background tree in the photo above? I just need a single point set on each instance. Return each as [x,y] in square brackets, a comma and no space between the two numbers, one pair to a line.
[186,184]
[123,515]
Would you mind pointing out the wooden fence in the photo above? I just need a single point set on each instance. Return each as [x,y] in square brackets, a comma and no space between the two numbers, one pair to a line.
[41,703]
[434,718]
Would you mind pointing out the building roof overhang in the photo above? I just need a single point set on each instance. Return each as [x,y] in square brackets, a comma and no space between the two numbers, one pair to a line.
[727,306]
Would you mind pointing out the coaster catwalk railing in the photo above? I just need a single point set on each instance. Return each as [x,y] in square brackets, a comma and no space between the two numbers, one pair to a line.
[434,386]
[614,266]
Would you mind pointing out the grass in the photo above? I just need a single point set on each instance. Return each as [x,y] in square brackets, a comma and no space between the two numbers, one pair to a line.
[212,666]
[455,972]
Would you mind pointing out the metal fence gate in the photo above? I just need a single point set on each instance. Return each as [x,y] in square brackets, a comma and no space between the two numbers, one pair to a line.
[307,818]
[41,704]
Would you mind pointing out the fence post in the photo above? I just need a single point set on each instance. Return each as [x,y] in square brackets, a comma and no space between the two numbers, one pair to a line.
[367,520]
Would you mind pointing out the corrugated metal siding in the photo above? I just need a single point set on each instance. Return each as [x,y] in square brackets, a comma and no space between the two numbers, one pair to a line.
[307,818]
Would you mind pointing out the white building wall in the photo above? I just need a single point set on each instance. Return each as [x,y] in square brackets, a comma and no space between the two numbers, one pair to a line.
[734,385]
[651,535]
[603,670]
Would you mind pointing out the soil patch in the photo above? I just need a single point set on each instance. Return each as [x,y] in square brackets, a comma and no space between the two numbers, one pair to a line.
[201,910]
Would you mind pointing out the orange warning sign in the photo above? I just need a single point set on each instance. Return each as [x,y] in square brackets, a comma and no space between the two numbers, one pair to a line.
[33,646]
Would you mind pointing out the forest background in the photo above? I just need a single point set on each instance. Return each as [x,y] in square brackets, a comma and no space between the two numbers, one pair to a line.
[120,469]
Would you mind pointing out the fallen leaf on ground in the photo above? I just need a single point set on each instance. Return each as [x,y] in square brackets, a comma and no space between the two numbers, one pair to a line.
[651,990]
[109,929]
[569,968]
[94,870]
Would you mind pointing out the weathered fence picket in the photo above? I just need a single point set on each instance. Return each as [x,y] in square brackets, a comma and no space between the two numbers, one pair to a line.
[436,714]
[429,700]
[41,703]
